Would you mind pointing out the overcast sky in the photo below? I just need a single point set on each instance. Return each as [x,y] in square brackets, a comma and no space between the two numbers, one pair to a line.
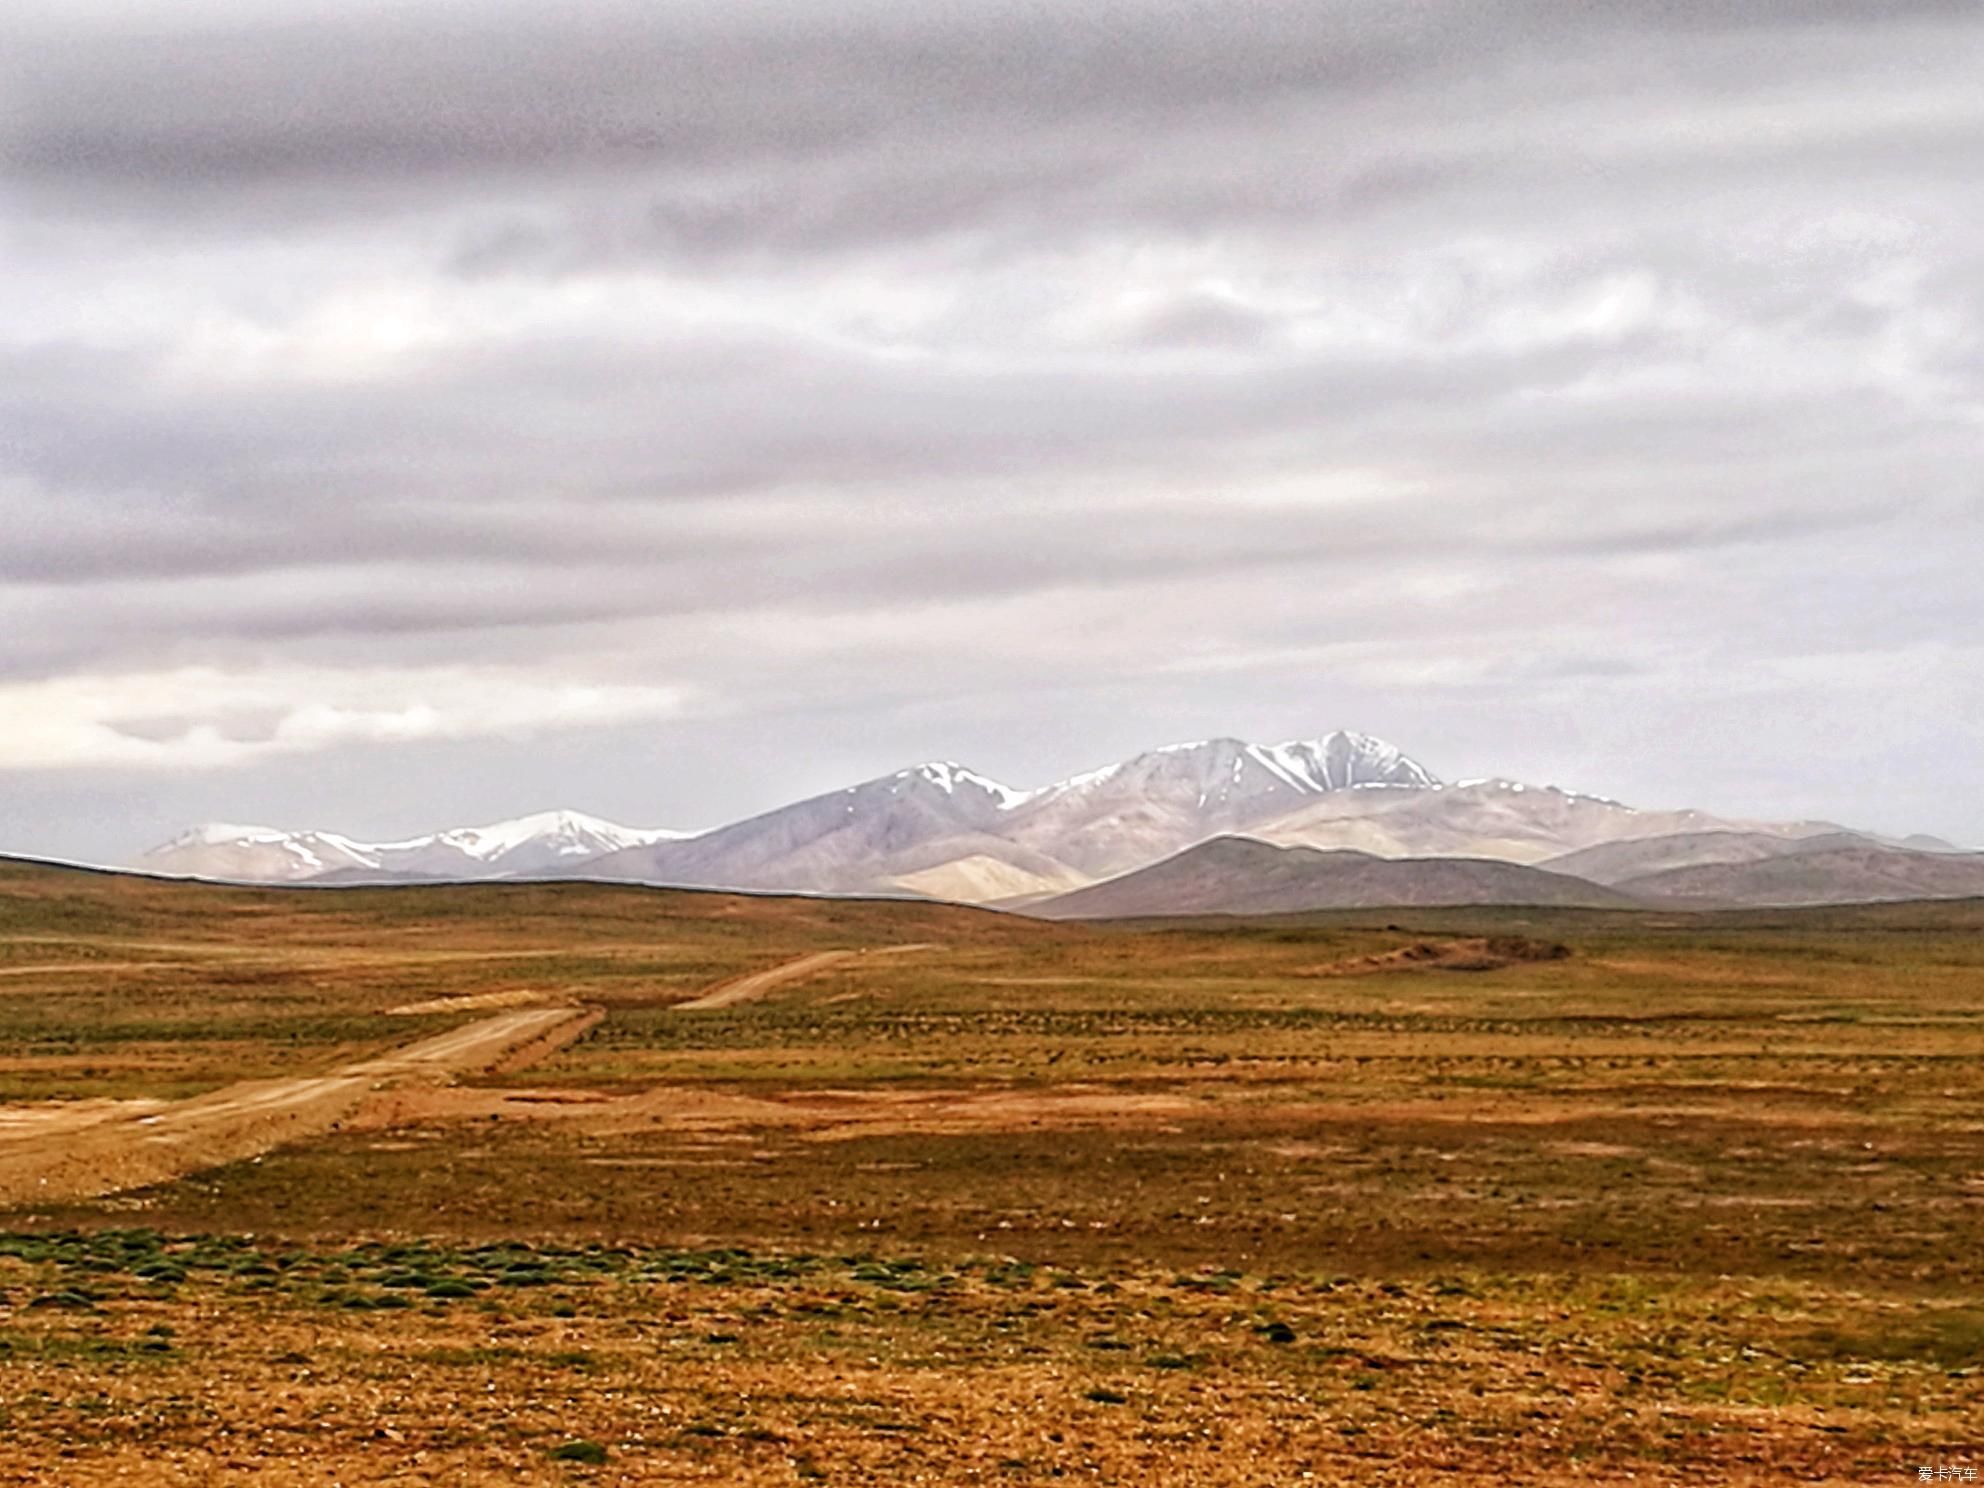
[422,413]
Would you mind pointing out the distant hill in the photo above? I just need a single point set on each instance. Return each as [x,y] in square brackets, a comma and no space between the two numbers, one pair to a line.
[1241,876]
[1491,819]
[1863,873]
[1616,862]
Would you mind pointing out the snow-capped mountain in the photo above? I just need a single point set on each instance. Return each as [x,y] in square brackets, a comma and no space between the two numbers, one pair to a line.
[1232,769]
[227,850]
[1124,815]
[862,838]
[946,831]
[547,842]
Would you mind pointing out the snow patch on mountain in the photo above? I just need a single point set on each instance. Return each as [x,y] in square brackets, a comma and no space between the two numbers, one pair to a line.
[570,834]
[951,778]
[208,834]
[1518,787]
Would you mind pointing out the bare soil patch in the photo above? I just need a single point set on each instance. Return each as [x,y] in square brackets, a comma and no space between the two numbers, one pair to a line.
[1476,953]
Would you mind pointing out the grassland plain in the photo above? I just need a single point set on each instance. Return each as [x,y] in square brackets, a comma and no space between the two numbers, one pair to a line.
[1362,1197]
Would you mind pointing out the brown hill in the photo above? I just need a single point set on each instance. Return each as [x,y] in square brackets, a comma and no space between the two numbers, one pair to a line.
[1238,875]
[1841,875]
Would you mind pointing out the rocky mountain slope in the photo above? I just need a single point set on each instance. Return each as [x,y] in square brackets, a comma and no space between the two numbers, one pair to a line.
[862,839]
[1492,819]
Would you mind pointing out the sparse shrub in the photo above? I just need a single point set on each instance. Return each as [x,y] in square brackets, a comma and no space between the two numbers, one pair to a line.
[76,1301]
[580,1450]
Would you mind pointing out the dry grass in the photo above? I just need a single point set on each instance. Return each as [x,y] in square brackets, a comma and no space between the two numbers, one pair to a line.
[174,1361]
[1701,1200]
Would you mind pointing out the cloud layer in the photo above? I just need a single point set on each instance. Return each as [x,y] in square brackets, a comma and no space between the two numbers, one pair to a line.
[1588,392]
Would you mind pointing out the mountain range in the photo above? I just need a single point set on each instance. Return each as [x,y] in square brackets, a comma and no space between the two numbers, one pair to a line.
[548,842]
[941,830]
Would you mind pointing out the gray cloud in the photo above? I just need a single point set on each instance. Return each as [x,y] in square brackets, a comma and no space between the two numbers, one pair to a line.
[1551,387]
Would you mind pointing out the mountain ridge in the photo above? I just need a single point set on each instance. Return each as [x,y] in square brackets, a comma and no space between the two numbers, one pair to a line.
[527,844]
[1244,876]
[1852,873]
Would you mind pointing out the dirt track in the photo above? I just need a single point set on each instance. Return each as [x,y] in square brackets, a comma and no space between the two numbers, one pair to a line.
[476,1002]
[84,1149]
[753,985]
[77,1151]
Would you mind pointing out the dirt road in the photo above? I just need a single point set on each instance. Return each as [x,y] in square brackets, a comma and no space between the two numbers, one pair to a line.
[80,1150]
[474,1002]
[753,985]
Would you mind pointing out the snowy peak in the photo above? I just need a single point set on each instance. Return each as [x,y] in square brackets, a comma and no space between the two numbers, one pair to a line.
[1218,771]
[954,779]
[214,834]
[937,792]
[1167,799]
[1345,761]
[263,854]
[547,834]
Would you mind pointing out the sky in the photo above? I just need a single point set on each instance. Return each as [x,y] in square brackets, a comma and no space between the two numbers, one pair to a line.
[424,413]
